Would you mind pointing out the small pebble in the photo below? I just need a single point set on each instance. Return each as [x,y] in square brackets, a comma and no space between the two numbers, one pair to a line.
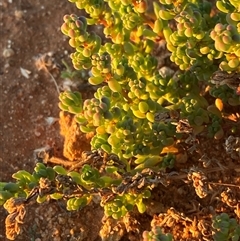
[56,239]
[61,220]
[8,53]
[18,14]
[37,133]
[72,231]
[181,158]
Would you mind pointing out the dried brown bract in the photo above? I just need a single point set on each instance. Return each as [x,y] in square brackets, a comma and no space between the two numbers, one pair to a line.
[183,126]
[229,198]
[205,228]
[232,147]
[165,117]
[45,186]
[223,78]
[139,182]
[237,210]
[112,229]
[17,211]
[99,160]
[193,229]
[200,182]
[170,218]
[131,223]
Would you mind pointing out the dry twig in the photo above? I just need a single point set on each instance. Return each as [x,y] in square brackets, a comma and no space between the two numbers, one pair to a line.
[43,62]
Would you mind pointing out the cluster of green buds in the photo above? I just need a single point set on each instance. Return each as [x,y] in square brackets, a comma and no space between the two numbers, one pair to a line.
[228,6]
[227,41]
[198,40]
[25,182]
[225,228]
[71,101]
[192,30]
[156,234]
[94,8]
[77,203]
[144,64]
[228,34]
[226,94]
[7,190]
[86,44]
[118,18]
[122,204]
[191,35]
